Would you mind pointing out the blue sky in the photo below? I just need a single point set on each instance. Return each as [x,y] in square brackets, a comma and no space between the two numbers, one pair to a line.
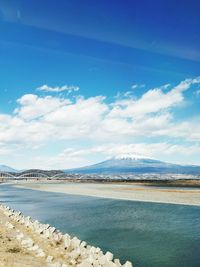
[85,80]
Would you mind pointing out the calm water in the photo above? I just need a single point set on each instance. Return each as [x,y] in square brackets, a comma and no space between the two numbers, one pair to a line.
[148,234]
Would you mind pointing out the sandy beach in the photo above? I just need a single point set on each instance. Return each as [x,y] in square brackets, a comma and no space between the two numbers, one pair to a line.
[136,192]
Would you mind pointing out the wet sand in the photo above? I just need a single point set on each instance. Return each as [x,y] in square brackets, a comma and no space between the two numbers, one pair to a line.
[135,192]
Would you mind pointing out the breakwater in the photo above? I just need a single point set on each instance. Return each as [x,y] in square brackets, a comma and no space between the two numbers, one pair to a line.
[58,249]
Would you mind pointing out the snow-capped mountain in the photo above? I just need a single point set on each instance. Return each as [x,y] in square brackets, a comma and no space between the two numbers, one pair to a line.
[4,168]
[129,163]
[131,156]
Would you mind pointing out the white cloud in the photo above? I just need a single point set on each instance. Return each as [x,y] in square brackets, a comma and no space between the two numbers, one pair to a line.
[137,86]
[68,88]
[32,106]
[154,100]
[43,120]
[165,86]
[38,120]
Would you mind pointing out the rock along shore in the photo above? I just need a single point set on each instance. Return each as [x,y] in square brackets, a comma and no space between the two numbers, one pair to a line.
[54,248]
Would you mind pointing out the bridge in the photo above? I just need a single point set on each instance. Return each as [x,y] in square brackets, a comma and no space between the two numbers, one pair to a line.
[6,175]
[33,175]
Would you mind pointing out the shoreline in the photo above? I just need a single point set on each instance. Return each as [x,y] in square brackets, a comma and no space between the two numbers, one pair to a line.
[29,242]
[129,192]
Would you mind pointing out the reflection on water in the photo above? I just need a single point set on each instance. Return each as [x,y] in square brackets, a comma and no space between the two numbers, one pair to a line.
[148,234]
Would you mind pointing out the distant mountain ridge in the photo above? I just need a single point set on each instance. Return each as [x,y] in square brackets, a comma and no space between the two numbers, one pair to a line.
[5,168]
[121,164]
[135,164]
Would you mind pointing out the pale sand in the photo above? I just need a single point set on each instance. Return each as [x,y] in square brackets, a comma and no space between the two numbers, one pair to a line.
[134,192]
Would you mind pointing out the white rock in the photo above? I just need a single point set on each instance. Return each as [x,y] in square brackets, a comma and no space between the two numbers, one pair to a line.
[75,242]
[57,237]
[27,242]
[85,263]
[34,248]
[96,264]
[73,262]
[117,262]
[9,225]
[67,236]
[83,244]
[109,256]
[98,250]
[75,253]
[92,249]
[91,258]
[46,234]
[20,236]
[102,260]
[52,229]
[128,264]
[66,241]
[49,259]
[40,253]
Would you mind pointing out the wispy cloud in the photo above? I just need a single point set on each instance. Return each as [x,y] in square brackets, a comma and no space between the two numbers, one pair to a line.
[68,88]
[137,86]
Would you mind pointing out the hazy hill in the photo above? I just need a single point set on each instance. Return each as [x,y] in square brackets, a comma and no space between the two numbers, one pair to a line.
[4,168]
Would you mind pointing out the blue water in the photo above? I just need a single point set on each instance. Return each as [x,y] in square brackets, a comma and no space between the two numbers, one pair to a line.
[148,234]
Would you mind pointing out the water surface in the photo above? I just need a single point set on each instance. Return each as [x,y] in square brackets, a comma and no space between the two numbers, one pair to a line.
[148,234]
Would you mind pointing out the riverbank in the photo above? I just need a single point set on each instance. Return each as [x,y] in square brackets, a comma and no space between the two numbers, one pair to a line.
[137,192]
[12,253]
[26,242]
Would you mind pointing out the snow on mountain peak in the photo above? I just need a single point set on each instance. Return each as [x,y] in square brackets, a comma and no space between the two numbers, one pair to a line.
[132,157]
